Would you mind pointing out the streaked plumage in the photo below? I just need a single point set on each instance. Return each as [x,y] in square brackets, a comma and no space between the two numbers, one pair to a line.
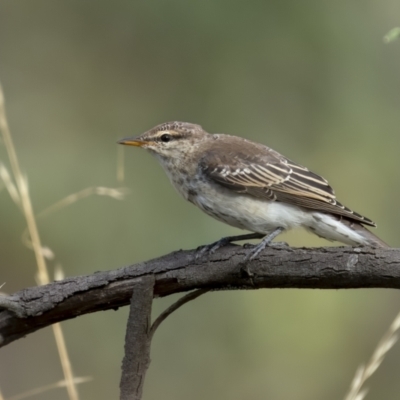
[250,186]
[262,172]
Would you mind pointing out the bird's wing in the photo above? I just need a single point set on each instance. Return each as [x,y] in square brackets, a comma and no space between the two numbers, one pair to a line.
[264,173]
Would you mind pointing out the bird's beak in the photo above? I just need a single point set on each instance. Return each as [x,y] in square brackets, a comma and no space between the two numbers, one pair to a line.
[132,142]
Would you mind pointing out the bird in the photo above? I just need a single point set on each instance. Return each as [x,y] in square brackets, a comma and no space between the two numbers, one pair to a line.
[251,186]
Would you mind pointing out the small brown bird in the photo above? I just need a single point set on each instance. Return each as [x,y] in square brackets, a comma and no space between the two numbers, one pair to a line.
[250,186]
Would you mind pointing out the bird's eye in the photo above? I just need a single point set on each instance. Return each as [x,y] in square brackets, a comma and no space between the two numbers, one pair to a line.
[165,137]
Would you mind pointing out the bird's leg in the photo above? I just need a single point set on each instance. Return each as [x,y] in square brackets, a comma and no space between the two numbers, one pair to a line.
[263,244]
[213,247]
[260,247]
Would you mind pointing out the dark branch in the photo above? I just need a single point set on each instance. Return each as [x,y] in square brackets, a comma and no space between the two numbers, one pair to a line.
[284,267]
[137,341]
[179,303]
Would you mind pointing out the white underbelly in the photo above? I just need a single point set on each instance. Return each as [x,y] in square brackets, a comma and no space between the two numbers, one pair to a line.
[256,215]
[264,216]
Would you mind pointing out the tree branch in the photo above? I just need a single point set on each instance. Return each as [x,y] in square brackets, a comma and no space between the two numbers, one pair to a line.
[179,303]
[283,267]
[137,341]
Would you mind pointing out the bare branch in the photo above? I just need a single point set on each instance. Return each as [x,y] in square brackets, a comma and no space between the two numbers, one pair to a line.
[137,341]
[275,267]
[179,303]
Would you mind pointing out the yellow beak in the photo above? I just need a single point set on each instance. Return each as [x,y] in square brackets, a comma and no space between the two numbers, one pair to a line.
[132,142]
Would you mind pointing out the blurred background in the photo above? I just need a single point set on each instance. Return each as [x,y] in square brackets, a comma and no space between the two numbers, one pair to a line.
[311,79]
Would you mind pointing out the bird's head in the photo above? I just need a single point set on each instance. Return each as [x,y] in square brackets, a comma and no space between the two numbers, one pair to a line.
[171,139]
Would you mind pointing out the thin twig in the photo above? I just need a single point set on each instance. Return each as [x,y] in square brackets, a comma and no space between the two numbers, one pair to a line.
[183,300]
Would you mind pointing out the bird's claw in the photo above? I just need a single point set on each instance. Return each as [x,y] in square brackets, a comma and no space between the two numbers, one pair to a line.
[210,248]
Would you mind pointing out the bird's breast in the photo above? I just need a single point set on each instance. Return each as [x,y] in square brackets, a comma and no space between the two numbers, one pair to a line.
[181,178]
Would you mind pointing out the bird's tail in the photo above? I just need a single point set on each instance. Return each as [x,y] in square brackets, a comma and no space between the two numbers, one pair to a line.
[369,238]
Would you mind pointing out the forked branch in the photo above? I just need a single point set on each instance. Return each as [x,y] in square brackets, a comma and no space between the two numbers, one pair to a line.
[283,267]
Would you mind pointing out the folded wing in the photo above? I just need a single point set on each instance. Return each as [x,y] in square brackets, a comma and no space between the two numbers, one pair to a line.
[262,172]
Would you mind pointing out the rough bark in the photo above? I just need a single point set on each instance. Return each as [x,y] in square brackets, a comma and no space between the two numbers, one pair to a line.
[137,341]
[277,267]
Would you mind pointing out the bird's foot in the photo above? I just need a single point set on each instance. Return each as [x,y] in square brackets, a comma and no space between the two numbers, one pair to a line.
[213,247]
[257,249]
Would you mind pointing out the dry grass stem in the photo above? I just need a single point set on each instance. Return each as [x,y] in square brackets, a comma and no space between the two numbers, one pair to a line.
[22,185]
[364,372]
[47,253]
[46,388]
[65,362]
[115,193]
[43,275]
[6,136]
[23,191]
[9,185]
[120,164]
